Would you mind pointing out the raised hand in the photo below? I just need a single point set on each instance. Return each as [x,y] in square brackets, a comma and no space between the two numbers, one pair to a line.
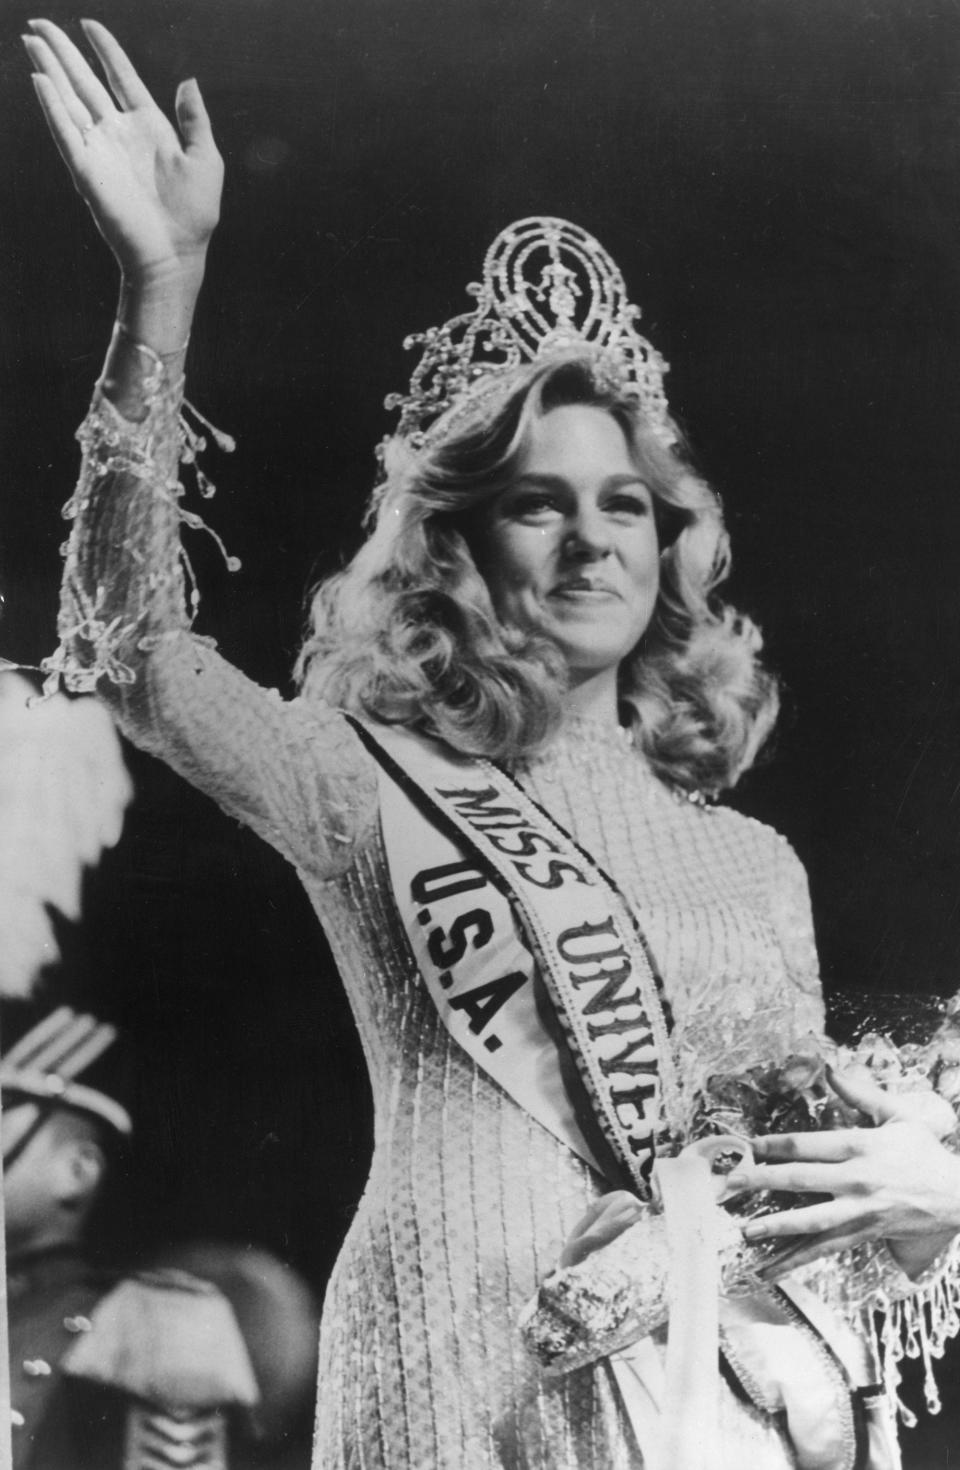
[153,191]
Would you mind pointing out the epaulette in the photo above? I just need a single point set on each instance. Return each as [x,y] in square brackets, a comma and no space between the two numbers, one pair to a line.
[170,1342]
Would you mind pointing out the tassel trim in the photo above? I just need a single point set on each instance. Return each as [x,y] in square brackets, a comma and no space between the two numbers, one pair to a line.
[172,433]
[918,1327]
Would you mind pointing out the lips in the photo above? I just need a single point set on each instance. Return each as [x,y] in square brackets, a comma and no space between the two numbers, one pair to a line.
[583,587]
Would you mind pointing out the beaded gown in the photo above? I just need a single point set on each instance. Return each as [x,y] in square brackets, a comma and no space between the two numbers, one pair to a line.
[469,1200]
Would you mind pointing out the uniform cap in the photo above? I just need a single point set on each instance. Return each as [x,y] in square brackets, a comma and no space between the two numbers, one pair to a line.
[62,1061]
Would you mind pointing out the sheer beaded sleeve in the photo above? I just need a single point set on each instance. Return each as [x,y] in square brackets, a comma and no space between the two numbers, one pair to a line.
[294,771]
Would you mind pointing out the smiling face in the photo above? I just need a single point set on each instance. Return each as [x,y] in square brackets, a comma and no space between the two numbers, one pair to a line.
[569,549]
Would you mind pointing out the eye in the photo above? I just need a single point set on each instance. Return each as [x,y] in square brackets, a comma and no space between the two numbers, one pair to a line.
[629,504]
[530,506]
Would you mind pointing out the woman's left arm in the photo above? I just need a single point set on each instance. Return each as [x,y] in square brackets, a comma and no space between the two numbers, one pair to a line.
[895,1181]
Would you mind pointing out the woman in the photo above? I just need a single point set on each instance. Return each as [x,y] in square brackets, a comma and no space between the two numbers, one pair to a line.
[522,683]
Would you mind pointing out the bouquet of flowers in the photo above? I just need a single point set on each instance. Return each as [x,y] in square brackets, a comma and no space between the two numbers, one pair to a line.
[795,1095]
[602,1300]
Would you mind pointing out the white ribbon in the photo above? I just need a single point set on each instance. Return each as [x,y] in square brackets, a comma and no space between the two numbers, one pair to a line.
[690,1435]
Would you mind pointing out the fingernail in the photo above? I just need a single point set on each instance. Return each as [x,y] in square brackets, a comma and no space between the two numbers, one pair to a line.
[736,1181]
[753,1231]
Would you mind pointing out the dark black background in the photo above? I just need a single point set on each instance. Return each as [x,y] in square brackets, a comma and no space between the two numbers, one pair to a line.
[781,185]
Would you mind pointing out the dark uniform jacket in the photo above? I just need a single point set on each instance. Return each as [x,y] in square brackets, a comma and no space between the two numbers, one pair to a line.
[59,1423]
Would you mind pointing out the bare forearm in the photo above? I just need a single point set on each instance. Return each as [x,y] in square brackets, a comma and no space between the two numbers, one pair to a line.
[155,314]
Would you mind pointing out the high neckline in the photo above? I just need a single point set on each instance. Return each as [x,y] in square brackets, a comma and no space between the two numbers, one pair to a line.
[588,742]
[595,747]
[594,729]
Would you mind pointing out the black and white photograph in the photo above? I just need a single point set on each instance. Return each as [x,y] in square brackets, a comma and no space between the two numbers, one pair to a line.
[480,735]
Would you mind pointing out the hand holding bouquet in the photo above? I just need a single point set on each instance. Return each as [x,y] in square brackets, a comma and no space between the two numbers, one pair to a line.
[829,1149]
[844,1146]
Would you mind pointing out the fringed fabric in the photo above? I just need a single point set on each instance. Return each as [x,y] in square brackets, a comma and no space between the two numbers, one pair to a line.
[915,1318]
[96,633]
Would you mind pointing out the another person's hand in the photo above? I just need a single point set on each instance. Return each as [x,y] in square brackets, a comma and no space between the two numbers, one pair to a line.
[894,1182]
[153,192]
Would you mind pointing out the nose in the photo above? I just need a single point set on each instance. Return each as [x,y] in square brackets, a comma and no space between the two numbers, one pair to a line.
[587,536]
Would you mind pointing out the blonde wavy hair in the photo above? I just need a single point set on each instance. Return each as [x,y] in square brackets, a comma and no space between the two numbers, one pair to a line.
[407,633]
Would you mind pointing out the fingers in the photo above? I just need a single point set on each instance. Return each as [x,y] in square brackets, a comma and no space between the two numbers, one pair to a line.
[831,1214]
[808,1251]
[193,118]
[860,1091]
[607,1218]
[815,1178]
[119,70]
[66,135]
[585,1221]
[832,1146]
[804,1177]
[84,96]
[17,1123]
[612,1203]
[80,76]
[48,67]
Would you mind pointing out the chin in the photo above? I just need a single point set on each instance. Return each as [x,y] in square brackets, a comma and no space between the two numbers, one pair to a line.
[586,657]
[584,665]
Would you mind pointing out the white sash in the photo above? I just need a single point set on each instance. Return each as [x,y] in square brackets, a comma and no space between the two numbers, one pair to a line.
[493,896]
[470,855]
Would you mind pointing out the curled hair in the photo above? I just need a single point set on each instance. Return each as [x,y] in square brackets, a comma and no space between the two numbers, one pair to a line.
[407,632]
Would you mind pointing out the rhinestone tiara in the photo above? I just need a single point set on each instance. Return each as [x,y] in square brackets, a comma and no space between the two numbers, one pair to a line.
[549,290]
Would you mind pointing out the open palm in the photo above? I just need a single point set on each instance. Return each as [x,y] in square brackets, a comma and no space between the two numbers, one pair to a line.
[153,191]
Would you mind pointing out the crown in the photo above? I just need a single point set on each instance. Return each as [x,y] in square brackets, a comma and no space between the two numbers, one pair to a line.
[549,290]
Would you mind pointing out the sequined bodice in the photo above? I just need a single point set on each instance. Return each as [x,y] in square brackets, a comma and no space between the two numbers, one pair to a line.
[721,899]
[469,1200]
